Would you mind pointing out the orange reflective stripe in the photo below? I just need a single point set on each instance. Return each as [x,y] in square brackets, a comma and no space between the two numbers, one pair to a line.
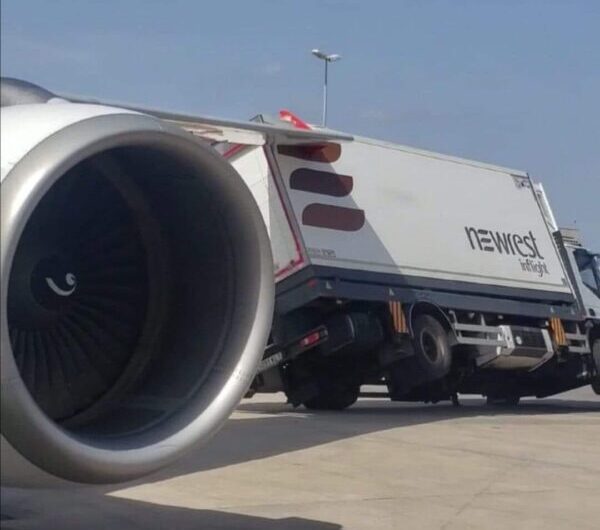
[393,313]
[403,326]
[558,331]
[398,318]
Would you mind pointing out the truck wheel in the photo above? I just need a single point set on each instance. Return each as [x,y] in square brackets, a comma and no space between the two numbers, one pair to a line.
[596,356]
[333,396]
[506,401]
[432,349]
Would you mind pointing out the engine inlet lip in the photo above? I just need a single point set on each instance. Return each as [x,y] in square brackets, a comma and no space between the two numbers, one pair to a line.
[24,426]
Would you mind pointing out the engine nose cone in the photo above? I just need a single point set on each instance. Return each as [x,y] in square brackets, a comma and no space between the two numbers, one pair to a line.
[42,290]
[53,282]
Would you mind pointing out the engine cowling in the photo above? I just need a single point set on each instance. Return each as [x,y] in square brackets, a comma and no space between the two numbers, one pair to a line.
[136,294]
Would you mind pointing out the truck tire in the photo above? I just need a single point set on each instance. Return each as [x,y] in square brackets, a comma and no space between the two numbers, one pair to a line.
[337,387]
[433,355]
[596,357]
[336,396]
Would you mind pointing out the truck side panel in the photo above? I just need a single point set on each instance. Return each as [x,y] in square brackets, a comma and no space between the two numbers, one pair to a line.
[388,209]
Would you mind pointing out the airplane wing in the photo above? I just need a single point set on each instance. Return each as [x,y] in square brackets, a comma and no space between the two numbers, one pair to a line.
[232,131]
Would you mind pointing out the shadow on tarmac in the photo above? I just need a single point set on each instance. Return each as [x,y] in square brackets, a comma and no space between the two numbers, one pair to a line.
[270,429]
[284,429]
[40,511]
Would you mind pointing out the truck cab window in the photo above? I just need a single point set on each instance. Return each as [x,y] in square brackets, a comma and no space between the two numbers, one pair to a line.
[589,269]
[596,270]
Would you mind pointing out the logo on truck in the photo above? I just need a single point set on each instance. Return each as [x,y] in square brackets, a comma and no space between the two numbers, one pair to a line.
[523,247]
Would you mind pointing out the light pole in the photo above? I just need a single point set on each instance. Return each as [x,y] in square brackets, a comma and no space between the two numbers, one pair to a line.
[326,58]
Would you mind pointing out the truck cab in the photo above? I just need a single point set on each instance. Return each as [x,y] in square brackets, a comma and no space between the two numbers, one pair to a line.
[587,265]
[583,268]
[585,276]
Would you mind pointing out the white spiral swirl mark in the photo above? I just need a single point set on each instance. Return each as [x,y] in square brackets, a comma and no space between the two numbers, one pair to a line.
[69,280]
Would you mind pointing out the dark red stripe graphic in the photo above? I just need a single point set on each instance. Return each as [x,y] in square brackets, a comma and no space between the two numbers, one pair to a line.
[321,182]
[333,217]
[327,152]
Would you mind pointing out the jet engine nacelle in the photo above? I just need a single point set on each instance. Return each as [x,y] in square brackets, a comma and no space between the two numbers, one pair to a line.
[136,294]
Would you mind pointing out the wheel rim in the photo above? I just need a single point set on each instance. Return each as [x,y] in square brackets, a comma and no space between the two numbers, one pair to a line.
[429,346]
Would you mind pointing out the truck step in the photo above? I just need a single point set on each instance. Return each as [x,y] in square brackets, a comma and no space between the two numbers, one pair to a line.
[578,343]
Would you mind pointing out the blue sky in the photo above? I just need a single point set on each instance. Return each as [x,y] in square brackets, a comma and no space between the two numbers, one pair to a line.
[515,83]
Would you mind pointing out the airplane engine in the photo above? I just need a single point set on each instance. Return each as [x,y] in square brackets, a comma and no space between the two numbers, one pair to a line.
[136,294]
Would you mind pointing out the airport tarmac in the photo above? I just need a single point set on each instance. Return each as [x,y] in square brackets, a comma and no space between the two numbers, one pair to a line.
[378,465]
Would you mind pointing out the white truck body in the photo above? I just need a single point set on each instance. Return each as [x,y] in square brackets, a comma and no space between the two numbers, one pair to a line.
[383,208]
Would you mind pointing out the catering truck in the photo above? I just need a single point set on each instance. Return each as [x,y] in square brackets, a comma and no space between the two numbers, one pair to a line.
[428,274]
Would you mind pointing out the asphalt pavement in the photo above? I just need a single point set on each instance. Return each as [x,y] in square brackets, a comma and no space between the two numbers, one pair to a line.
[378,465]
